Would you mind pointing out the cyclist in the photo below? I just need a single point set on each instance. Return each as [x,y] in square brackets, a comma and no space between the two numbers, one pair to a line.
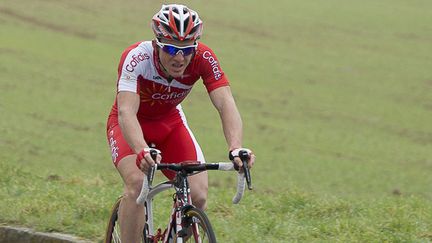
[154,77]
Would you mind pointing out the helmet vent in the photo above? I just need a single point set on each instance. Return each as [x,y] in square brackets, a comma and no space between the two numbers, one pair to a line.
[186,22]
[194,29]
[167,28]
[177,23]
[175,10]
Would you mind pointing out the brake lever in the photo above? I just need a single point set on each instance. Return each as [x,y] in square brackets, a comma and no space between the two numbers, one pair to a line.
[152,169]
[244,156]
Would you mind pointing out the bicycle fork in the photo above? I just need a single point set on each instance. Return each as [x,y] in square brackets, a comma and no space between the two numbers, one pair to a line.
[181,226]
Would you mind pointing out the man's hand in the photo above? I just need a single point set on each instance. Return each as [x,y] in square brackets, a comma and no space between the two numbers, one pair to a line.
[144,159]
[234,157]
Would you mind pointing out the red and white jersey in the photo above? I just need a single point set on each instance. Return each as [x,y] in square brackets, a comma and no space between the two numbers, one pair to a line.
[138,72]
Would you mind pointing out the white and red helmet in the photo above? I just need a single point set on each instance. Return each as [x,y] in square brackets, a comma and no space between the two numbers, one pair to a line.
[177,22]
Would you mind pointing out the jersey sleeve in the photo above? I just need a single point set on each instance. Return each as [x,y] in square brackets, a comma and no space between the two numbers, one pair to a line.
[210,69]
[128,70]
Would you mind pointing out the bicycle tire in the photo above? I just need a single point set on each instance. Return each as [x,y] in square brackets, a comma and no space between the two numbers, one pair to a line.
[112,234]
[197,217]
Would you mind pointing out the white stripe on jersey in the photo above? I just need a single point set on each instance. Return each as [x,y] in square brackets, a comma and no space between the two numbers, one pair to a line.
[200,155]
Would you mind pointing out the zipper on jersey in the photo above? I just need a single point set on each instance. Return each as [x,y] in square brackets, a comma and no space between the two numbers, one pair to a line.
[169,80]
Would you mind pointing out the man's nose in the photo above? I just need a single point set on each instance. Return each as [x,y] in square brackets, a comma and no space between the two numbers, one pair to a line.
[179,56]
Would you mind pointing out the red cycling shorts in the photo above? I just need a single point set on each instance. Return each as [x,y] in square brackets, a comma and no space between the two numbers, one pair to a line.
[171,135]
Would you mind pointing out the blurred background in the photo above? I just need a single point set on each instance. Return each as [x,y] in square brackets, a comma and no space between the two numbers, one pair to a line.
[335,98]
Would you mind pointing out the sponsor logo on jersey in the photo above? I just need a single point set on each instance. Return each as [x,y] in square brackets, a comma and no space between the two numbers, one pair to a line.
[135,60]
[170,96]
[157,78]
[160,94]
[215,65]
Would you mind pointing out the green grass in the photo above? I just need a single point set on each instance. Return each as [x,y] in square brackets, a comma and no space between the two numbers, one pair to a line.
[336,99]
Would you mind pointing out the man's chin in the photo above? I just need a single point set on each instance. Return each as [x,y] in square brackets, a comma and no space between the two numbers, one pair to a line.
[176,74]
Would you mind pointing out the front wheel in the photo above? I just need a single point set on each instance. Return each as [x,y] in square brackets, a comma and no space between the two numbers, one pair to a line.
[112,234]
[113,229]
[197,227]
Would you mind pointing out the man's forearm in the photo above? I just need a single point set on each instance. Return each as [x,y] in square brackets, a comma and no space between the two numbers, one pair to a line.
[132,132]
[232,125]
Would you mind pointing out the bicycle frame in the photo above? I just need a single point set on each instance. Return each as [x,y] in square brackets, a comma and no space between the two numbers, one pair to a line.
[182,201]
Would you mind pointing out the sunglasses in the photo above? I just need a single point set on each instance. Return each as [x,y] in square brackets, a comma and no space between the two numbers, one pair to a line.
[173,50]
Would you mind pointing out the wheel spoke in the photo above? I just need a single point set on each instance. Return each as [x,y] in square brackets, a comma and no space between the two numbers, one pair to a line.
[116,235]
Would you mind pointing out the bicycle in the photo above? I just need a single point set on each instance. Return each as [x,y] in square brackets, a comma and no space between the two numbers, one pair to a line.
[186,223]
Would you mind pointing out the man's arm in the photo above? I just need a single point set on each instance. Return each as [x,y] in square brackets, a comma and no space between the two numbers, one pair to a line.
[128,104]
[232,124]
[231,121]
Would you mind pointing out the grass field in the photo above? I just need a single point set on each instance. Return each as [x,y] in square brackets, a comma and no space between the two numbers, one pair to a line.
[336,99]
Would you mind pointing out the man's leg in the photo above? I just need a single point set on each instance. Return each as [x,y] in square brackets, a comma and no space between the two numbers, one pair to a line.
[131,215]
[199,189]
[180,146]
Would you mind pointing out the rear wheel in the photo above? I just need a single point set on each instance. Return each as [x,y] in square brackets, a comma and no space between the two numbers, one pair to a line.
[198,227]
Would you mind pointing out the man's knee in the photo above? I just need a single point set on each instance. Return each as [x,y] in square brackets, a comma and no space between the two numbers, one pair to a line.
[199,190]
[199,196]
[133,185]
[200,202]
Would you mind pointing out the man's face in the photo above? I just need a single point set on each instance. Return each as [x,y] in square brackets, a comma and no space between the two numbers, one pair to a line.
[175,62]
